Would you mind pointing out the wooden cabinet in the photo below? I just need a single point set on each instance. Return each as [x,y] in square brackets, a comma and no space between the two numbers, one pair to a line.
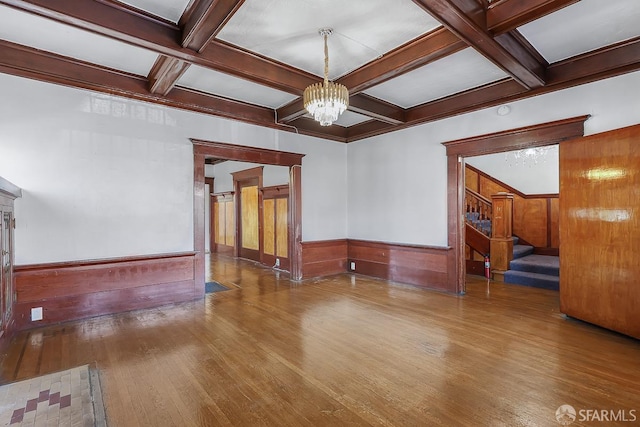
[8,193]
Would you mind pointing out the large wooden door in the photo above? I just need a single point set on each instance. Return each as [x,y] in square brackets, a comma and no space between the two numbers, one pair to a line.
[8,192]
[250,222]
[223,224]
[600,229]
[276,226]
[248,199]
[8,292]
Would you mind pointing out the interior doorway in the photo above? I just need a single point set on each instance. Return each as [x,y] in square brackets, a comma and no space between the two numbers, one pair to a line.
[516,139]
[204,150]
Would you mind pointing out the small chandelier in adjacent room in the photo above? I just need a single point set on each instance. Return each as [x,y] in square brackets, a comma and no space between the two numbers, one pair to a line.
[327,100]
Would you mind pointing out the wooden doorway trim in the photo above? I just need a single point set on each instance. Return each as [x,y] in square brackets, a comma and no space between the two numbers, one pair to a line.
[515,139]
[203,150]
[212,223]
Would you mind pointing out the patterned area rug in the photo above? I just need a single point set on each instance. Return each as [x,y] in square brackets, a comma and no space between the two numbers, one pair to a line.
[68,398]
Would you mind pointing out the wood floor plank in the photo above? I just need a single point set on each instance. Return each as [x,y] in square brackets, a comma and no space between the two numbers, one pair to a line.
[342,350]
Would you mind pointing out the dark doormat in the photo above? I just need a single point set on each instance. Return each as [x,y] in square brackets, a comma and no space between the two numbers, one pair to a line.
[210,287]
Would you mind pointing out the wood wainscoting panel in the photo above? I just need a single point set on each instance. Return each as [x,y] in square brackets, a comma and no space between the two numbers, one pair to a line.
[600,229]
[554,218]
[530,220]
[424,266]
[472,179]
[79,289]
[323,258]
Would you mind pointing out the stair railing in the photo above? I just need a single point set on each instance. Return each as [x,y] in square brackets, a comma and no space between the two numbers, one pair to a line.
[479,211]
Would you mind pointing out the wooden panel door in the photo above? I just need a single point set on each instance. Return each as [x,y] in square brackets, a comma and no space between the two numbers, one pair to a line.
[224,224]
[276,226]
[249,235]
[7,290]
[600,229]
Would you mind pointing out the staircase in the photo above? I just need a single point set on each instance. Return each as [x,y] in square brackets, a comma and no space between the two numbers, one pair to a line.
[538,271]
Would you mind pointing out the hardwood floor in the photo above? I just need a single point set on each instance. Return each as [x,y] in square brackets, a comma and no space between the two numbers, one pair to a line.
[343,350]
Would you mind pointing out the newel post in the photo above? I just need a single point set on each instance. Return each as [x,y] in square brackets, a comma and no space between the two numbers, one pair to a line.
[501,234]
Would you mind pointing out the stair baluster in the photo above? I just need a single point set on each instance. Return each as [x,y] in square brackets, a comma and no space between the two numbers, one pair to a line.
[479,212]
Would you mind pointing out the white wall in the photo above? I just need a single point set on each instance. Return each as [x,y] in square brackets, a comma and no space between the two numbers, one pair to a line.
[271,175]
[109,177]
[104,176]
[529,176]
[397,181]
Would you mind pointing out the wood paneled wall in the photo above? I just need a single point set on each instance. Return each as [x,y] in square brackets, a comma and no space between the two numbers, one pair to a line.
[80,289]
[324,258]
[416,265]
[424,266]
[600,229]
[535,216]
[223,211]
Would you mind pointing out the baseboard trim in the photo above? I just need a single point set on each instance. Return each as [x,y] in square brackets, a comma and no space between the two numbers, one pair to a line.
[80,289]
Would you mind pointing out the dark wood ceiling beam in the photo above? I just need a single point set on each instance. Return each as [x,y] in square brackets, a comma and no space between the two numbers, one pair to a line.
[609,61]
[504,16]
[205,20]
[105,19]
[310,127]
[376,109]
[464,102]
[291,111]
[361,104]
[258,69]
[158,36]
[418,52]
[367,129]
[467,19]
[35,64]
[425,49]
[165,73]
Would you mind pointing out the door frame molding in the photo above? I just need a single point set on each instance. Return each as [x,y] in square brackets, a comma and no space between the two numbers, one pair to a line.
[203,150]
[538,135]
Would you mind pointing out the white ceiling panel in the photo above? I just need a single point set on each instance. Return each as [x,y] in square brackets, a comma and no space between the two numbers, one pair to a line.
[287,30]
[51,36]
[455,73]
[213,82]
[168,9]
[583,27]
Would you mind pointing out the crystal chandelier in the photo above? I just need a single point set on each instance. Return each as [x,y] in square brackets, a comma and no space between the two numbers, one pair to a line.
[529,156]
[327,100]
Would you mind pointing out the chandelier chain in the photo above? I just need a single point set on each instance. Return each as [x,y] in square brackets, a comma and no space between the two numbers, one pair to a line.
[326,60]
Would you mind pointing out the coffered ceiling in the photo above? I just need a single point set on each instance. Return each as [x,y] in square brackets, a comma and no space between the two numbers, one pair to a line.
[405,62]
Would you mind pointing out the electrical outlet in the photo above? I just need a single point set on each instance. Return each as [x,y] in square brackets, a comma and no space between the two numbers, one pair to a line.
[36,313]
[277,262]
[353,266]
